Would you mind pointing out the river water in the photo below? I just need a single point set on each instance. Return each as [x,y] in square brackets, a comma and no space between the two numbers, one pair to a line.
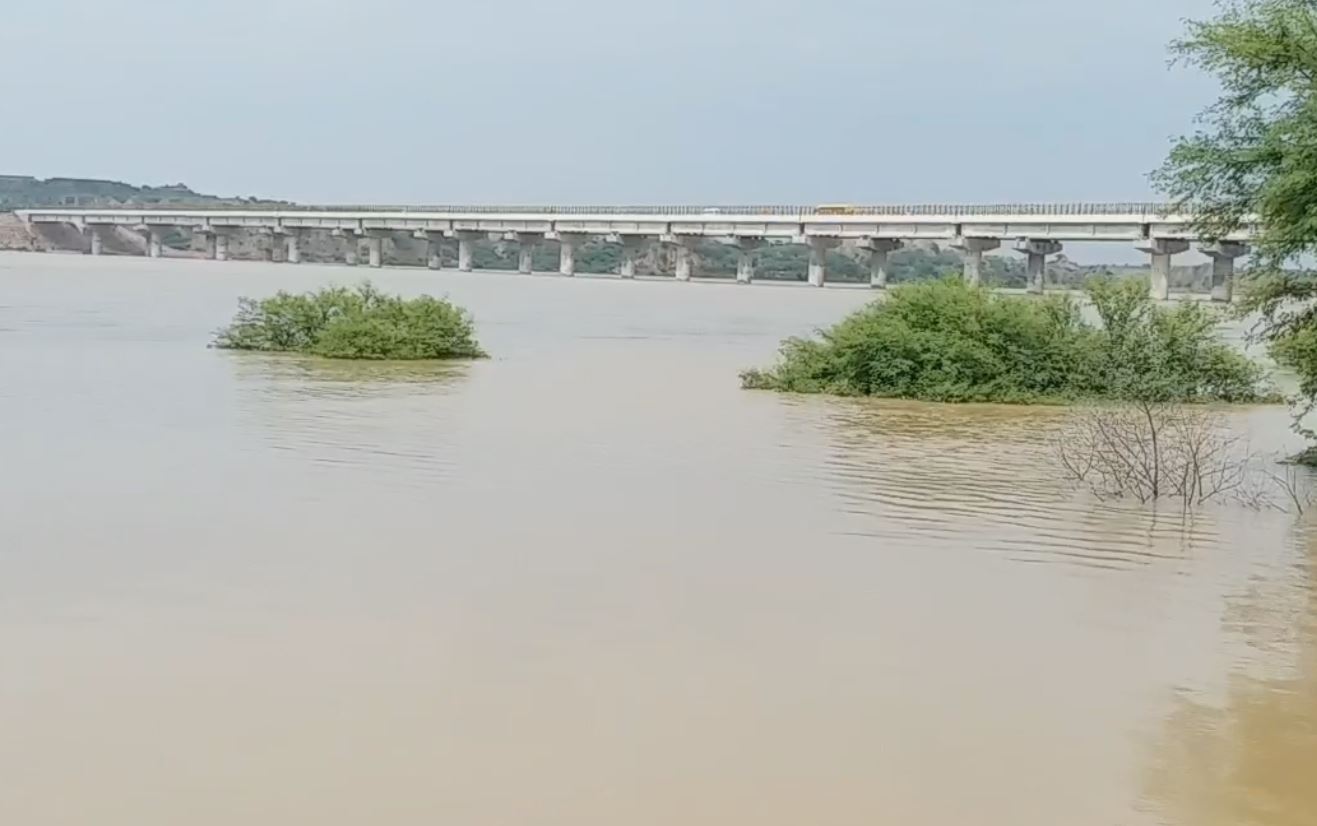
[591,581]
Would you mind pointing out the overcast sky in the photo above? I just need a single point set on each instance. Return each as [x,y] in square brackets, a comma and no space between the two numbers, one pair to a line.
[581,101]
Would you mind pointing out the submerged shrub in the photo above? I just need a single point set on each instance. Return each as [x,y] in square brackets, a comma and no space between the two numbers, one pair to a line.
[352,323]
[945,341]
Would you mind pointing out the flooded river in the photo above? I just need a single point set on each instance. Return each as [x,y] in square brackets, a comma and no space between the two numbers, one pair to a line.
[590,581]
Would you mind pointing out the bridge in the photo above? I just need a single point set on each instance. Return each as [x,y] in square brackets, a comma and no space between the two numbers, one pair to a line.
[1036,230]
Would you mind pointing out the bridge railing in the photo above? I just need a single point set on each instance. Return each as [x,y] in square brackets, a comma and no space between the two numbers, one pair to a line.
[1147,209]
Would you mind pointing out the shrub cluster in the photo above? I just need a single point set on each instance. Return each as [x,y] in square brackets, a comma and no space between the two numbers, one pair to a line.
[945,341]
[352,323]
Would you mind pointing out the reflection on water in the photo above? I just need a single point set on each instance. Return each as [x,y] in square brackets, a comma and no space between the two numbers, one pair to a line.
[299,371]
[1249,758]
[989,474]
[374,419]
[591,581]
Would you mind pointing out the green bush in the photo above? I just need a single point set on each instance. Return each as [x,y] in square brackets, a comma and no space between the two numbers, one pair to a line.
[352,323]
[945,341]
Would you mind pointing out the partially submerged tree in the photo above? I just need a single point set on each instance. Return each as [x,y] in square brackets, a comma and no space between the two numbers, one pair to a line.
[1254,158]
[948,342]
[357,323]
[1149,450]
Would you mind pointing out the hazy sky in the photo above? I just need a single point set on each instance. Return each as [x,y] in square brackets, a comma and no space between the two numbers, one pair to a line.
[579,101]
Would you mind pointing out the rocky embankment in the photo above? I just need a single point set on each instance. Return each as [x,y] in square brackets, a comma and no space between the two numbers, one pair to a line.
[16,235]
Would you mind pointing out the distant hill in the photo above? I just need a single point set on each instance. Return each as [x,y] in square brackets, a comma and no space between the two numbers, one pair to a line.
[27,192]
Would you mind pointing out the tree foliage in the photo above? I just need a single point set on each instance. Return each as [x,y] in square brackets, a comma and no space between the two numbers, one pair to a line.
[945,341]
[352,323]
[1255,153]
[1254,158]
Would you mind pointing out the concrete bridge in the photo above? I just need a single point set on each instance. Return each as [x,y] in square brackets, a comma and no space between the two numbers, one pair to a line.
[1036,230]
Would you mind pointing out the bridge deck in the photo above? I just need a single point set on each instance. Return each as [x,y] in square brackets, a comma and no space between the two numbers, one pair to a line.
[1058,222]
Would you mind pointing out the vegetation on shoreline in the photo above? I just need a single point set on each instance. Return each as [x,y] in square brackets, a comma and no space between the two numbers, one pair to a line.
[948,342]
[352,323]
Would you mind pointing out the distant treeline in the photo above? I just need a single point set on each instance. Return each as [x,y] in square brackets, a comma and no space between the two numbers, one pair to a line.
[28,192]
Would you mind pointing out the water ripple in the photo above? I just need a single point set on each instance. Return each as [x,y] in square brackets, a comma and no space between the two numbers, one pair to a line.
[985,477]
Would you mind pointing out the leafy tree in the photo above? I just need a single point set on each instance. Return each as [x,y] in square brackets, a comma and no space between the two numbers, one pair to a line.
[945,341]
[1254,158]
[357,323]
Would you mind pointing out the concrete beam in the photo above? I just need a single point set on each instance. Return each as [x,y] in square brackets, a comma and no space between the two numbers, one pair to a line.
[1037,251]
[818,258]
[1162,250]
[1223,255]
[879,248]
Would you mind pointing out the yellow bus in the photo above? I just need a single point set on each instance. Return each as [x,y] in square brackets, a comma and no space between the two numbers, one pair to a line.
[836,209]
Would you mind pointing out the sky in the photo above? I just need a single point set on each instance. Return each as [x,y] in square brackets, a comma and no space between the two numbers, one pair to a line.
[592,101]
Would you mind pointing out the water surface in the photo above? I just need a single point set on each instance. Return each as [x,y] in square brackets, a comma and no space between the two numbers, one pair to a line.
[590,581]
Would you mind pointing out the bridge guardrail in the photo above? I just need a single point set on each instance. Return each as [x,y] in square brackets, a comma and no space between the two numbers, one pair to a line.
[1148,209]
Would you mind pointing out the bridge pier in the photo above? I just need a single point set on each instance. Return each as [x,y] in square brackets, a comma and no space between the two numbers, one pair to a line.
[97,238]
[433,249]
[1162,250]
[1223,255]
[466,248]
[221,246]
[685,265]
[1037,251]
[374,250]
[292,246]
[567,243]
[817,274]
[631,245]
[745,258]
[972,249]
[349,245]
[155,242]
[879,249]
[526,243]
[207,241]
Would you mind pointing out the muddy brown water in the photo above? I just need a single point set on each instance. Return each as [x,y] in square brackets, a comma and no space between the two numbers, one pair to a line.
[590,581]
